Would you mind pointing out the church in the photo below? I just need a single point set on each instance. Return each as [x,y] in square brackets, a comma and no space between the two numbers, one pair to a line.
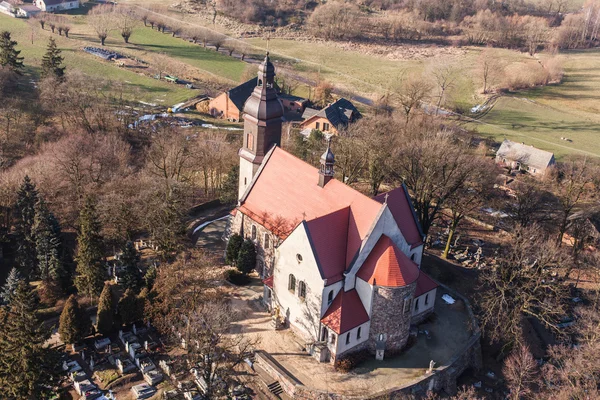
[341,269]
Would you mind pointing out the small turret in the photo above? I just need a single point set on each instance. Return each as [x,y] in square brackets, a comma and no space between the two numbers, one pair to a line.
[326,171]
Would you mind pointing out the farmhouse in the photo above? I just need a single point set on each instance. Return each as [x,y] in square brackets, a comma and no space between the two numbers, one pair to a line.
[339,268]
[28,11]
[230,104]
[331,119]
[524,158]
[56,5]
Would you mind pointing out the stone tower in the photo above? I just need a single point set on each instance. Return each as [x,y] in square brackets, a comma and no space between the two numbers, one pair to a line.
[262,124]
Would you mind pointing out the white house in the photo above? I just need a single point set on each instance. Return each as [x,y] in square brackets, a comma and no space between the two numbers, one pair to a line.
[341,269]
[522,157]
[56,5]
[28,11]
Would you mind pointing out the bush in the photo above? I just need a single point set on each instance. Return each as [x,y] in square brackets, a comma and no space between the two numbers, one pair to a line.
[237,278]
[246,260]
[351,361]
[233,249]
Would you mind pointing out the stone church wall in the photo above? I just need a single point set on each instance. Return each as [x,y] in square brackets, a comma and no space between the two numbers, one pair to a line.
[388,316]
[265,257]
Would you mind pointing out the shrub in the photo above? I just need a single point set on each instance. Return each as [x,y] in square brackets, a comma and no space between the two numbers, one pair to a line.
[351,361]
[233,249]
[246,260]
[237,278]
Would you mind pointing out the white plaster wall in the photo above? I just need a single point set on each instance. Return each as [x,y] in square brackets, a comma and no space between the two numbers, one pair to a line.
[336,287]
[418,252]
[246,174]
[384,225]
[341,340]
[285,264]
[422,307]
[365,292]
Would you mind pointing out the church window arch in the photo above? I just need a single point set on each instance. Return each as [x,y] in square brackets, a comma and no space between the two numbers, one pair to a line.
[417,304]
[292,283]
[330,297]
[302,289]
[266,241]
[253,232]
[250,141]
[412,256]
[427,299]
[332,338]
[358,333]
[348,338]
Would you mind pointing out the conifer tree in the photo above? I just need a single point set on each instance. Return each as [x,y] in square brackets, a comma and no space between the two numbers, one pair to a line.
[10,287]
[9,56]
[104,318]
[150,277]
[27,197]
[130,307]
[28,368]
[229,191]
[51,62]
[246,260]
[233,248]
[90,269]
[46,232]
[74,324]
[132,277]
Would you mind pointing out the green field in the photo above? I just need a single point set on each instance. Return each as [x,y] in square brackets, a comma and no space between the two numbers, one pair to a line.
[542,116]
[144,43]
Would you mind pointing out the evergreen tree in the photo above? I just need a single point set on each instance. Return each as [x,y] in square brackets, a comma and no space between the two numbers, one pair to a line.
[10,287]
[150,277]
[51,62]
[132,277]
[9,56]
[90,268]
[233,248]
[130,307]
[246,260]
[104,318]
[28,368]
[74,324]
[46,232]
[27,197]
[229,191]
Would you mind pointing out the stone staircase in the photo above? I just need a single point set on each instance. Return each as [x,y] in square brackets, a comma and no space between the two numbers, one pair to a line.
[275,388]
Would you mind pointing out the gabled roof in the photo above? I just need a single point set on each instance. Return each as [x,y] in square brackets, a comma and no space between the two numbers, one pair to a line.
[285,193]
[269,281]
[525,154]
[400,205]
[29,7]
[424,284]
[239,94]
[339,113]
[54,2]
[346,312]
[386,265]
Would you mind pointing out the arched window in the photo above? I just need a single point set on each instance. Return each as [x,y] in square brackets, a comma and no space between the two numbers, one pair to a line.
[324,334]
[358,333]
[332,339]
[253,232]
[381,337]
[330,297]
[250,141]
[302,289]
[292,283]
[412,257]
[427,299]
[348,338]
[260,82]
[416,304]
[266,241]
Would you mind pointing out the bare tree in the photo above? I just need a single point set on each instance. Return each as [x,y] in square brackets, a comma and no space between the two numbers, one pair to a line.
[126,21]
[445,77]
[101,18]
[521,373]
[217,40]
[490,69]
[413,91]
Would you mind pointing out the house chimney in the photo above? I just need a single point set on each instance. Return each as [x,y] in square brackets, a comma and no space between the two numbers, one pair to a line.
[326,171]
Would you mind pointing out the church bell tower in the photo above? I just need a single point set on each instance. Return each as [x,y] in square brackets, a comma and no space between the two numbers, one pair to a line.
[262,124]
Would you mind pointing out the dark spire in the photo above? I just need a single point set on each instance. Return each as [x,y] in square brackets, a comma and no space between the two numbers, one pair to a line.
[263,104]
[326,171]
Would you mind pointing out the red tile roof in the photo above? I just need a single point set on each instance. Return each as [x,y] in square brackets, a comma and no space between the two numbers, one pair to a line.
[269,281]
[337,217]
[388,266]
[401,208]
[424,284]
[345,312]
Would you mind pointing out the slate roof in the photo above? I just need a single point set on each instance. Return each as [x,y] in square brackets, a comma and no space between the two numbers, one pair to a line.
[29,7]
[402,209]
[424,284]
[346,312]
[386,265]
[525,154]
[339,113]
[239,94]
[285,193]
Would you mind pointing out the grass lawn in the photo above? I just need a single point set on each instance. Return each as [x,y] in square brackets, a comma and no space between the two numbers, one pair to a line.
[542,116]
